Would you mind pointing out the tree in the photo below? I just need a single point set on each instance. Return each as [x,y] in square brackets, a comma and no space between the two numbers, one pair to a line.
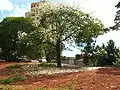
[12,31]
[117,18]
[104,55]
[50,52]
[88,50]
[34,43]
[112,52]
[65,24]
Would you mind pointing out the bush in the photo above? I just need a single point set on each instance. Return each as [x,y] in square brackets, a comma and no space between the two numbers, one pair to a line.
[117,62]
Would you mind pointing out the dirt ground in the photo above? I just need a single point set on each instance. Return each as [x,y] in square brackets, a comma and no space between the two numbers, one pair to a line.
[100,79]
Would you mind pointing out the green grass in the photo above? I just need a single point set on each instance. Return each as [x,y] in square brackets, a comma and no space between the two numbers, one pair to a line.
[12,87]
[16,66]
[10,80]
[45,64]
[6,81]
[19,78]
[58,88]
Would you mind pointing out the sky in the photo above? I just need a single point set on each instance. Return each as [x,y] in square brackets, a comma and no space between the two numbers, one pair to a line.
[104,10]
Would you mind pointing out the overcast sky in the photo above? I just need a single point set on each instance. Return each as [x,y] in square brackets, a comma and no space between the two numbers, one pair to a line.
[102,9]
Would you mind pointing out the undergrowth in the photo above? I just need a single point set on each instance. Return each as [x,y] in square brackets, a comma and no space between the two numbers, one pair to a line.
[16,66]
[10,80]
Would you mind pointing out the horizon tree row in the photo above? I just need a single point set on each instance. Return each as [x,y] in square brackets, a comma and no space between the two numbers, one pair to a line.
[57,25]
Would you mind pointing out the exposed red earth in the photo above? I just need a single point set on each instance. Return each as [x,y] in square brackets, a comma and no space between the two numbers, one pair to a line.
[100,79]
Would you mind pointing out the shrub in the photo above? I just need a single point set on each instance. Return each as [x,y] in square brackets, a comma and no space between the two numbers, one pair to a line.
[117,62]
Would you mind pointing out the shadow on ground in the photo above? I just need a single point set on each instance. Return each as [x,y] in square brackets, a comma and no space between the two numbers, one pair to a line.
[109,71]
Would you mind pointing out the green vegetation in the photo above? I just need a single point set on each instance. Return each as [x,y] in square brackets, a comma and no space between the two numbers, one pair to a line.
[10,80]
[19,78]
[117,19]
[56,26]
[6,81]
[12,32]
[9,87]
[45,64]
[102,56]
[106,54]
[63,23]
[16,66]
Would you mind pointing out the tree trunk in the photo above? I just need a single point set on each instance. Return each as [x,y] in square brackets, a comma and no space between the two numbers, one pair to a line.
[48,59]
[58,54]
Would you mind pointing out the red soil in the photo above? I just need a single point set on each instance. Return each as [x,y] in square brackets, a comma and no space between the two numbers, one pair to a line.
[101,79]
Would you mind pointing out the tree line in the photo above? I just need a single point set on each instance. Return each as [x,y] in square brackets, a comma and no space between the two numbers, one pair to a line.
[20,36]
[106,54]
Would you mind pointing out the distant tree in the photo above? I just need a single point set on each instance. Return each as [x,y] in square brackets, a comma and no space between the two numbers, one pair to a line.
[104,55]
[112,52]
[88,50]
[12,31]
[117,18]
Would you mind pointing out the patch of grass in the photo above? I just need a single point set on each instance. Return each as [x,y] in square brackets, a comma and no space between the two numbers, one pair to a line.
[10,80]
[6,81]
[45,64]
[58,88]
[4,88]
[19,78]
[16,66]
[12,87]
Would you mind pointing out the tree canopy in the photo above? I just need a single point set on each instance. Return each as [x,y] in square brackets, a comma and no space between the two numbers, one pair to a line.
[67,24]
[12,31]
[101,56]
[117,18]
[55,26]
